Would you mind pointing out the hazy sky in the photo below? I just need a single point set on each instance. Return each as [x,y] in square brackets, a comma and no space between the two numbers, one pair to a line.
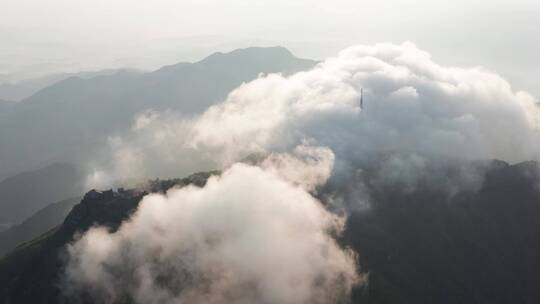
[38,37]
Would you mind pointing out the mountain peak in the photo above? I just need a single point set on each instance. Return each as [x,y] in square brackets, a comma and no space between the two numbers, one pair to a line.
[254,51]
[276,55]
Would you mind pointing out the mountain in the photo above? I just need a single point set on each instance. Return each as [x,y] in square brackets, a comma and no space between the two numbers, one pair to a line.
[25,193]
[20,90]
[474,247]
[44,220]
[417,245]
[67,120]
[30,273]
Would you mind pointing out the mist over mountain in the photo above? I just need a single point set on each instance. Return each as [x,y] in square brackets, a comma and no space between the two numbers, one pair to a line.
[412,105]
[68,119]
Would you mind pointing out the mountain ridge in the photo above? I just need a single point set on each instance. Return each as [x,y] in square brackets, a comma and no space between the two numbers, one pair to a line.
[417,247]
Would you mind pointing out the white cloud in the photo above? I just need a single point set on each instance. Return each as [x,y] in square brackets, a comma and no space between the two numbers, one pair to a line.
[412,104]
[306,166]
[246,237]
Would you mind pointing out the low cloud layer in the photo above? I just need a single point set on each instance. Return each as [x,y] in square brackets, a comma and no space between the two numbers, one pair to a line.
[246,237]
[412,105]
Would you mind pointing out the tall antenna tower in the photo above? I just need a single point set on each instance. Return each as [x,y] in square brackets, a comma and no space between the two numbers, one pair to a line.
[361,98]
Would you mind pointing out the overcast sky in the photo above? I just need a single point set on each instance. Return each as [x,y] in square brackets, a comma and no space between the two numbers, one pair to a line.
[39,37]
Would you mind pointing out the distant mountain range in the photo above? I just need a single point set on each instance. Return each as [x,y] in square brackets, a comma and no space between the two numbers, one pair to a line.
[16,91]
[25,193]
[66,121]
[418,246]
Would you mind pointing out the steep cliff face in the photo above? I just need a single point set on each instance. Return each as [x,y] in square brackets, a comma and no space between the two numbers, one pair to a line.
[418,246]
